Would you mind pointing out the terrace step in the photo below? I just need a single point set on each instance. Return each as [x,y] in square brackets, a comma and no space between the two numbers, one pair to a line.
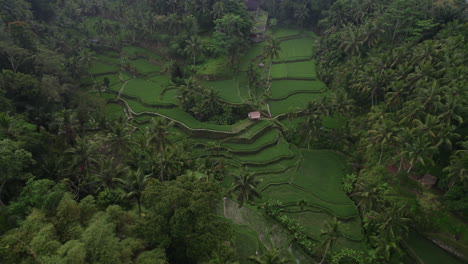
[254,132]
[162,105]
[282,166]
[267,140]
[265,157]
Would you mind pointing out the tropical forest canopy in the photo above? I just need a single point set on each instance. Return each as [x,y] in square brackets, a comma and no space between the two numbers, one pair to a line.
[125,137]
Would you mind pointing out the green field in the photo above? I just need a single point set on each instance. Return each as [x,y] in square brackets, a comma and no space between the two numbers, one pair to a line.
[149,92]
[287,173]
[296,49]
[286,32]
[321,174]
[228,90]
[299,70]
[292,103]
[101,67]
[134,51]
[114,111]
[281,89]
[144,66]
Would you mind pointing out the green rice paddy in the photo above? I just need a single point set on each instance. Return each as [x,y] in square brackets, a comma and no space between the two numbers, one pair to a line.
[101,67]
[149,92]
[298,70]
[144,66]
[228,90]
[281,89]
[296,49]
[287,173]
[293,103]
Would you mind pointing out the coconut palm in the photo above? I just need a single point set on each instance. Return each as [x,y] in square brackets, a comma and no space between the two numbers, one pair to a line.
[418,150]
[272,51]
[69,126]
[84,154]
[110,175]
[301,13]
[156,134]
[381,134]
[302,203]
[120,138]
[351,41]
[134,185]
[391,222]
[193,47]
[385,248]
[330,233]
[457,170]
[368,195]
[7,125]
[245,185]
[218,10]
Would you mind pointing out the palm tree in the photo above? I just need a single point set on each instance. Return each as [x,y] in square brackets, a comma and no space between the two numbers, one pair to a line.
[330,234]
[110,174]
[84,154]
[418,151]
[381,134]
[368,195]
[301,13]
[391,222]
[193,47]
[218,10]
[135,185]
[156,134]
[245,186]
[270,257]
[84,157]
[457,170]
[302,203]
[272,51]
[7,125]
[120,138]
[69,126]
[385,248]
[351,42]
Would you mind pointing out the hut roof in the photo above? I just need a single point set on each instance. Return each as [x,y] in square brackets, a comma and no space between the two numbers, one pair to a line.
[429,180]
[255,115]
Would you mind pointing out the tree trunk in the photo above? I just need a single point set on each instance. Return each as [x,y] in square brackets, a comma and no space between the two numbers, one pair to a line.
[139,205]
[401,163]
[1,187]
[325,254]
[13,65]
[381,153]
[161,171]
[269,72]
[411,166]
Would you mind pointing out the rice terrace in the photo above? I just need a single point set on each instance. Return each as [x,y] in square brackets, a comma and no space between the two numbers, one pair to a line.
[287,173]
[233,131]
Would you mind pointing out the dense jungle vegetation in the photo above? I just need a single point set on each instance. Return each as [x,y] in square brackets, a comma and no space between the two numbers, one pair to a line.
[124,135]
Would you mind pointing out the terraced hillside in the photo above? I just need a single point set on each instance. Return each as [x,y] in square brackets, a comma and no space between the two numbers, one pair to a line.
[288,174]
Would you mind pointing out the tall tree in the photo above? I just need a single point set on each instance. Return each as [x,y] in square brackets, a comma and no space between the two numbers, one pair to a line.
[245,185]
[135,185]
[272,51]
[329,234]
[193,47]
